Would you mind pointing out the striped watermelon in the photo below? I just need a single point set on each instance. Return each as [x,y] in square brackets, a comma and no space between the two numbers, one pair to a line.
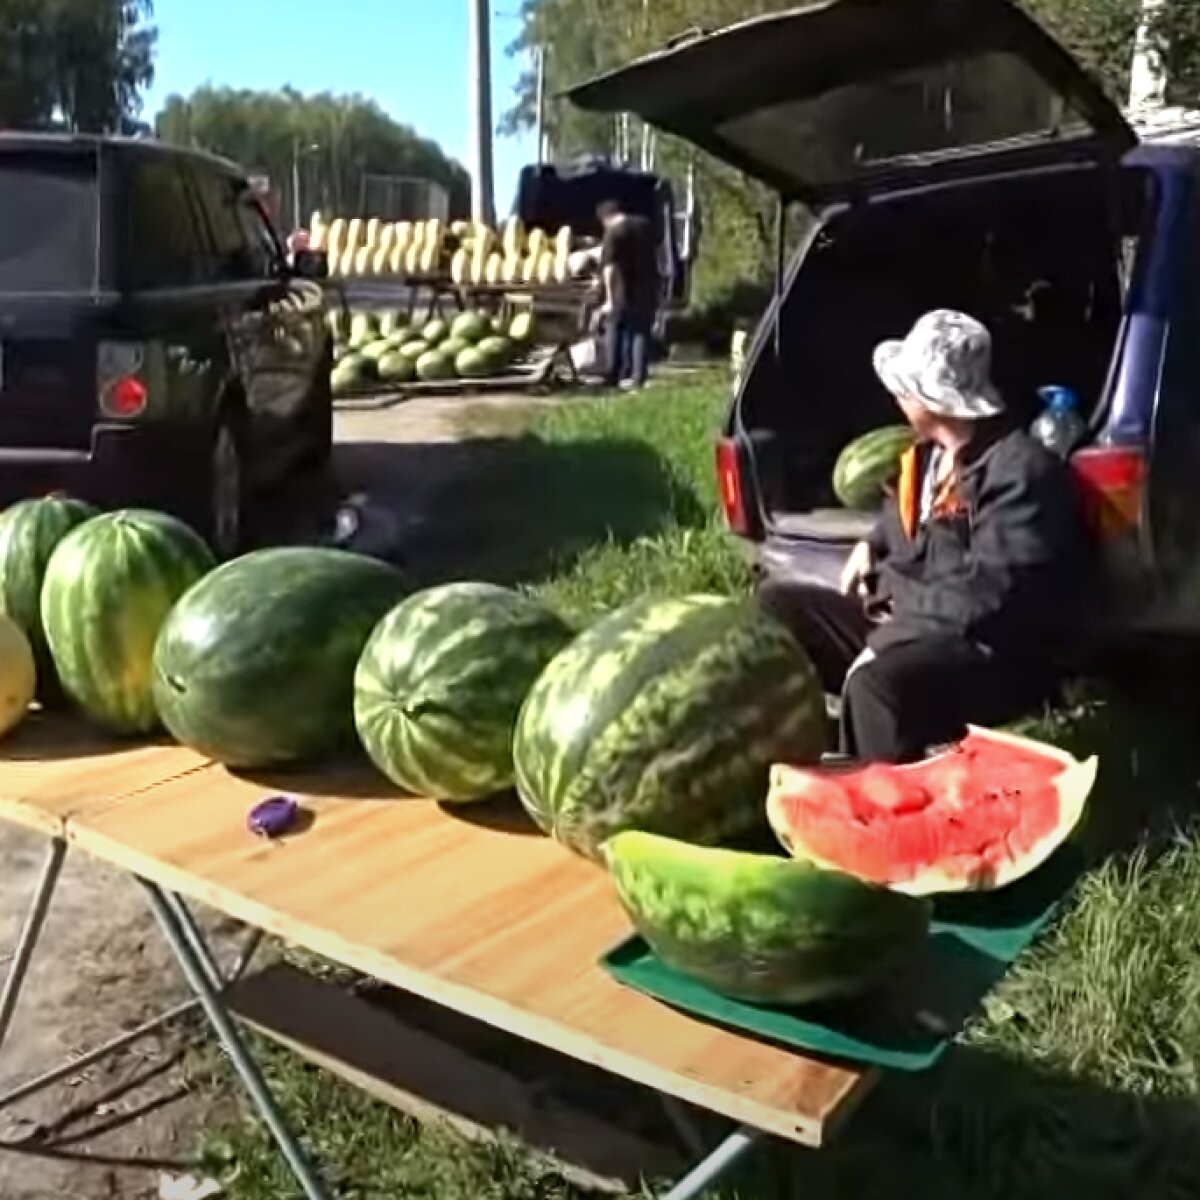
[666,717]
[255,667]
[29,532]
[867,464]
[440,683]
[109,586]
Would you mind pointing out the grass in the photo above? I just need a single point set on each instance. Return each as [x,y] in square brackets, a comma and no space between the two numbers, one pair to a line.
[1080,1076]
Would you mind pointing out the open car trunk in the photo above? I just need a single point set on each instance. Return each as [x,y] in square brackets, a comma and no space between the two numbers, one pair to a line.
[1042,258]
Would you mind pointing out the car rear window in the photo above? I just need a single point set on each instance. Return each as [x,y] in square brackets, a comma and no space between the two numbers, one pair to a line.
[48,222]
[977,100]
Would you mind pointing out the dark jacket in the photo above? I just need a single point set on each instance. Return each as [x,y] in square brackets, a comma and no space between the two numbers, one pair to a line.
[1009,570]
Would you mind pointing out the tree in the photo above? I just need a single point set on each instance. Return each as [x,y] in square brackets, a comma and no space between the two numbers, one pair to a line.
[83,63]
[586,37]
[338,139]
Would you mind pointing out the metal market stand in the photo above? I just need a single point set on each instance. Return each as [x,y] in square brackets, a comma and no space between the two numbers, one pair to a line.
[503,928]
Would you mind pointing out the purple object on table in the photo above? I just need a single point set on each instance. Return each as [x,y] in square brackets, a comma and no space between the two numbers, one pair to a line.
[273,817]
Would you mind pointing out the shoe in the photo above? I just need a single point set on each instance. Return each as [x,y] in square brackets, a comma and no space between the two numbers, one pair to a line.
[629,385]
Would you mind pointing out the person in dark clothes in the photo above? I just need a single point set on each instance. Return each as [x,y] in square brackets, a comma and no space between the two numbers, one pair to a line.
[629,272]
[960,605]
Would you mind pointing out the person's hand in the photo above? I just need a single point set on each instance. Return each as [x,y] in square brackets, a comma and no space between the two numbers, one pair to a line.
[859,566]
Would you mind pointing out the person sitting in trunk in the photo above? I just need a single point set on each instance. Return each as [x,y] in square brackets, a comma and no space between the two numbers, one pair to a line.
[961,603]
[629,272]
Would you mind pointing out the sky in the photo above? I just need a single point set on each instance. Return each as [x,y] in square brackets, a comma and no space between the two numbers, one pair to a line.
[410,56]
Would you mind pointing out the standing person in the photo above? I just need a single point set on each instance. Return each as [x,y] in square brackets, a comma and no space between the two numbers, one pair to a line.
[629,275]
[962,603]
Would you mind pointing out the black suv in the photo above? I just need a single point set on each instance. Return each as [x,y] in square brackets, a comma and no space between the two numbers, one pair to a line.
[155,346]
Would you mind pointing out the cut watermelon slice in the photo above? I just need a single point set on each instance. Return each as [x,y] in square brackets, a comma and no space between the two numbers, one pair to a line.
[979,816]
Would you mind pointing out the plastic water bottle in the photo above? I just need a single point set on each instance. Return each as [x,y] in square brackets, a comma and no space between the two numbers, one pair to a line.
[1059,427]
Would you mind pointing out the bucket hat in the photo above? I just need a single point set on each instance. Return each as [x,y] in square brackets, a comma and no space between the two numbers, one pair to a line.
[945,363]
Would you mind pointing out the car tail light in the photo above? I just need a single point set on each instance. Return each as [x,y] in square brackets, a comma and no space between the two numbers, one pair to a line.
[1112,480]
[121,388]
[729,481]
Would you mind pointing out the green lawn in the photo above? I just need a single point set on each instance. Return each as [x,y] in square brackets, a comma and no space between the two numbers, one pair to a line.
[1081,1075]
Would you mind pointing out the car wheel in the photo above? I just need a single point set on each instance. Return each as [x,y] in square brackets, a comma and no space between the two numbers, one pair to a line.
[320,405]
[226,504]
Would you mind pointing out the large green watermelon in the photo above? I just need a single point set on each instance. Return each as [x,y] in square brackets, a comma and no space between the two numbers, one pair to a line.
[109,586]
[29,532]
[754,927]
[440,683]
[255,667]
[867,464]
[666,716]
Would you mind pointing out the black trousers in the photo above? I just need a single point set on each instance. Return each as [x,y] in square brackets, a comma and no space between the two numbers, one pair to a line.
[910,696]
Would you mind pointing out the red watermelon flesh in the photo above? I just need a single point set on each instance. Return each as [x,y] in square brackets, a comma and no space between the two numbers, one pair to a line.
[981,815]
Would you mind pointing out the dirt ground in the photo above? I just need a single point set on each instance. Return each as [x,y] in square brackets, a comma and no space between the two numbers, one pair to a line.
[113,1129]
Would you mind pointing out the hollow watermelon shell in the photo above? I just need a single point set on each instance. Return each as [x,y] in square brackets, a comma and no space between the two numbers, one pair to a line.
[759,928]
[255,667]
[980,816]
[441,681]
[867,464]
[665,716]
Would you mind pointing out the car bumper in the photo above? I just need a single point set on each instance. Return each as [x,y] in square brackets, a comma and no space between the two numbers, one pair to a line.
[124,465]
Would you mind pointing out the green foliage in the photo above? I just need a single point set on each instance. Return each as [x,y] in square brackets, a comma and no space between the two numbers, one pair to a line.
[586,37]
[84,59]
[338,138]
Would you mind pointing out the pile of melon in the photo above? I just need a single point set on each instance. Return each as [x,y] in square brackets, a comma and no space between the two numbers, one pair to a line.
[387,348]
[472,253]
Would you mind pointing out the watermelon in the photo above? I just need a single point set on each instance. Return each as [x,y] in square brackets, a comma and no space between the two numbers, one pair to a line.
[760,928]
[472,363]
[868,464]
[978,816]
[433,365]
[397,368]
[18,674]
[471,326]
[666,716]
[255,667]
[29,532]
[440,683]
[435,331]
[414,349]
[109,586]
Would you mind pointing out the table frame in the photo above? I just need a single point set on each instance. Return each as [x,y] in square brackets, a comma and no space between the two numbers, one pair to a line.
[209,986]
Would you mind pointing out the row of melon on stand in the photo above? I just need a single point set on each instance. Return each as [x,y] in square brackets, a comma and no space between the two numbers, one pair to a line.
[473,252]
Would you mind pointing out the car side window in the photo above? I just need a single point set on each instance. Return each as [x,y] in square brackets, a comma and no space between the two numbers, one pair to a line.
[160,244]
[258,233]
[238,252]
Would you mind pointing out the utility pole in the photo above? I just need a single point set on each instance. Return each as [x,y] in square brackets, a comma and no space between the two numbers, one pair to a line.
[482,189]
[541,105]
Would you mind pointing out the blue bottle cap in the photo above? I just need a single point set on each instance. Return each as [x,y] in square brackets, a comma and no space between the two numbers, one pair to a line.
[1057,398]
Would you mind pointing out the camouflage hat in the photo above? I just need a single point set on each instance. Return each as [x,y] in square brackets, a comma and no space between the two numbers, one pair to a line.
[945,362]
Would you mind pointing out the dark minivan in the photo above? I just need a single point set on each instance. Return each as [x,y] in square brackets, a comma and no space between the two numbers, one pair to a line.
[155,346]
[951,154]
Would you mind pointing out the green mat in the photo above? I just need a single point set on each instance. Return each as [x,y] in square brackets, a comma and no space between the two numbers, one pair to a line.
[907,1024]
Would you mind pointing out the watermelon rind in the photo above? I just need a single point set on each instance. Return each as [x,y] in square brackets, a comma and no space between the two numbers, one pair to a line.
[255,666]
[665,716]
[867,464]
[760,928]
[109,586]
[441,681]
[1073,786]
[29,532]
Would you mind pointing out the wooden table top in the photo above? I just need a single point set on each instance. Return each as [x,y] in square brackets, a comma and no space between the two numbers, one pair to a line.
[469,907]
[52,767]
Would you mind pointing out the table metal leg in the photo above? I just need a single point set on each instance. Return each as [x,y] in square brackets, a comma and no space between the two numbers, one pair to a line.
[697,1181]
[182,936]
[35,918]
[96,1054]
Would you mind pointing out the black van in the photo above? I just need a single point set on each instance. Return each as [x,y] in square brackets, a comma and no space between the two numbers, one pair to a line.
[155,347]
[951,154]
